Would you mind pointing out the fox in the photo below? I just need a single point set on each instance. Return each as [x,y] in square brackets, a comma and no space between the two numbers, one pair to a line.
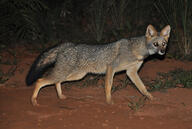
[71,61]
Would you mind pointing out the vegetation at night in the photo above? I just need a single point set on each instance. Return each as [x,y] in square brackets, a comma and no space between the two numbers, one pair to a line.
[40,21]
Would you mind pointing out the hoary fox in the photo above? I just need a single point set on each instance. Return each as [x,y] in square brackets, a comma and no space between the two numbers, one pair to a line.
[69,61]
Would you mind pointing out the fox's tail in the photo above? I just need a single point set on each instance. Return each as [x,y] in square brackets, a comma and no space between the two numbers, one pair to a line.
[45,60]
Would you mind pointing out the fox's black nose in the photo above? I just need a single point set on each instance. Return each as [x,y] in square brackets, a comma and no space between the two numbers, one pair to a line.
[162,51]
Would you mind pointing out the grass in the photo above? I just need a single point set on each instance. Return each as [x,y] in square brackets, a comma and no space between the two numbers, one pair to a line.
[4,76]
[136,105]
[175,78]
[121,84]
[90,80]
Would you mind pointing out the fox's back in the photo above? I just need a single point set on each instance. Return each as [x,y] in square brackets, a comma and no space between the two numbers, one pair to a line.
[89,58]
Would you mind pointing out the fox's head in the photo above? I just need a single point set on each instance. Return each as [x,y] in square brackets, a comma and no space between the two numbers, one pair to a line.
[157,41]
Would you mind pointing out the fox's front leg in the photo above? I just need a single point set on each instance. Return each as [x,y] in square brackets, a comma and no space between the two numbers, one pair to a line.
[137,81]
[108,84]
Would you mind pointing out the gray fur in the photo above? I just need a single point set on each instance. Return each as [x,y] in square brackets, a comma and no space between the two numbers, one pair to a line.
[77,58]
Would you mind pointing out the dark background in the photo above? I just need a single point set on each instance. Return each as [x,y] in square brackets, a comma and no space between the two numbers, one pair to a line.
[32,22]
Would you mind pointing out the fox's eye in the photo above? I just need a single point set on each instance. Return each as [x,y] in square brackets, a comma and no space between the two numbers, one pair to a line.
[163,44]
[156,44]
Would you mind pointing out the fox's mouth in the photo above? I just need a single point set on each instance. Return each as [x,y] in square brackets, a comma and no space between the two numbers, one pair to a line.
[161,52]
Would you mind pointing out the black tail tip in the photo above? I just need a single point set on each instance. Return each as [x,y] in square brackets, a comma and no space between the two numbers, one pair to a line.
[32,76]
[29,81]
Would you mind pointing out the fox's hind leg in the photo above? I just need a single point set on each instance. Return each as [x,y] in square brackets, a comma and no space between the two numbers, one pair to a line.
[59,91]
[39,84]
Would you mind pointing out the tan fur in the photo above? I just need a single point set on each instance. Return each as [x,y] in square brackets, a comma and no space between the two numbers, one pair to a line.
[150,32]
[108,83]
[132,73]
[138,56]
[165,33]
[39,84]
[75,76]
[59,91]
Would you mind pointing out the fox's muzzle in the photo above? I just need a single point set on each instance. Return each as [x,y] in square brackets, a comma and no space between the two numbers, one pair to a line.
[161,52]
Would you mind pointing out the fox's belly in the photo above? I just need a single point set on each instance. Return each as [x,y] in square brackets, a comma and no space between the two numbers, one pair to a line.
[98,69]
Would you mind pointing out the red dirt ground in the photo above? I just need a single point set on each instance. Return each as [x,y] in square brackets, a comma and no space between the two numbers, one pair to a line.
[85,108]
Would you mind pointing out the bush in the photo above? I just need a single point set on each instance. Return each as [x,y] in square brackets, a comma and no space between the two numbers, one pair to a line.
[178,14]
[20,19]
[175,78]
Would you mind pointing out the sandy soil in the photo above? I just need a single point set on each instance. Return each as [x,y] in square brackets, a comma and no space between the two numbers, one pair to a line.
[85,108]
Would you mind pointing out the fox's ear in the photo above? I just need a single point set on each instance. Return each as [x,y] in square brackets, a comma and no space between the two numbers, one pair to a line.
[165,32]
[150,32]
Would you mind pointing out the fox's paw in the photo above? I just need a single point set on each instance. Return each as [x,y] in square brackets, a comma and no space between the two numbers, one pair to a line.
[109,101]
[149,96]
[62,97]
[34,102]
[152,98]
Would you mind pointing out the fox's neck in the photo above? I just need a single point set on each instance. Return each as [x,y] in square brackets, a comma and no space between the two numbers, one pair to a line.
[140,47]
